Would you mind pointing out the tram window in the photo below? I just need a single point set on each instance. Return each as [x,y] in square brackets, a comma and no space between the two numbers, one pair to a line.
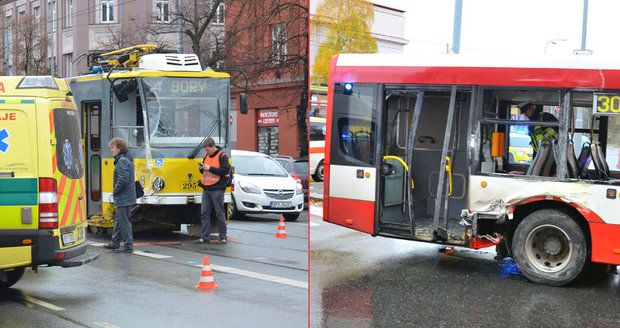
[317,131]
[95,178]
[94,125]
[357,138]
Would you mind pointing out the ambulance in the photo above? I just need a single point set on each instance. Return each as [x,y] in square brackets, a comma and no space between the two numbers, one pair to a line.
[42,205]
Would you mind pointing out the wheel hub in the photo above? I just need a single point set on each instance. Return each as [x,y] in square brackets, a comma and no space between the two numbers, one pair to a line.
[553,246]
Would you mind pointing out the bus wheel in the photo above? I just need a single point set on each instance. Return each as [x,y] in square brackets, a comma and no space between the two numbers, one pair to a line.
[12,277]
[318,174]
[550,247]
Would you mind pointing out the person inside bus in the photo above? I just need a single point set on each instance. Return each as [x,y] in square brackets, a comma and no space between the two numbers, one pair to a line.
[538,134]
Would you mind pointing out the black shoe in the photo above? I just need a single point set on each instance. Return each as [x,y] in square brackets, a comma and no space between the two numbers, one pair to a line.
[201,241]
[111,246]
[124,249]
[223,241]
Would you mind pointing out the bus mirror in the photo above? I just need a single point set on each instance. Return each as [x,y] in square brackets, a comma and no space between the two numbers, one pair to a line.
[243,103]
[387,169]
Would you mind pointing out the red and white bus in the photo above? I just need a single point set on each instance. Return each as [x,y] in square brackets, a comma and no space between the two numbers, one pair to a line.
[418,148]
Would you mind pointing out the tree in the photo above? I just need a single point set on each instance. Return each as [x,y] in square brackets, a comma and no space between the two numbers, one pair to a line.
[348,25]
[199,21]
[26,46]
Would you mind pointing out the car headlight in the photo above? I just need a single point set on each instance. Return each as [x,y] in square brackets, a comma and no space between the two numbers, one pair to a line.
[249,187]
[299,189]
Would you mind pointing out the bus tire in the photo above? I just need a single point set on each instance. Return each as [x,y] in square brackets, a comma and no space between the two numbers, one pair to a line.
[13,276]
[318,173]
[550,247]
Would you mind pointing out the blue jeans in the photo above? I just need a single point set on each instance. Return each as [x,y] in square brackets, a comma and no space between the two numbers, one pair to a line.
[122,227]
[212,199]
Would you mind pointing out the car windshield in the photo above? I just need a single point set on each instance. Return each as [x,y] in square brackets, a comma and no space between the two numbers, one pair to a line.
[301,167]
[182,111]
[257,165]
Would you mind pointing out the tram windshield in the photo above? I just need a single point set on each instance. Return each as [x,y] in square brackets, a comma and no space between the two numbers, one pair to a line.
[182,111]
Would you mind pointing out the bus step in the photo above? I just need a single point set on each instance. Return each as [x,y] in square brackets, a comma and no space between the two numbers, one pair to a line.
[79,260]
[396,227]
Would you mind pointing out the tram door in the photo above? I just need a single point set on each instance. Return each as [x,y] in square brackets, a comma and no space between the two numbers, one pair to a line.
[91,117]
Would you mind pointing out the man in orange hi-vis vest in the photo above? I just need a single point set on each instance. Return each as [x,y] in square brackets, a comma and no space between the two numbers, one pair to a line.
[215,170]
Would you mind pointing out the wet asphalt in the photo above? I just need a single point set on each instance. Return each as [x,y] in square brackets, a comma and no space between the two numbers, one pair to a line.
[360,281]
[129,290]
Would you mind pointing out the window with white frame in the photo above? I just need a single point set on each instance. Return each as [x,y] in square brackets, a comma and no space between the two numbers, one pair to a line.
[162,11]
[69,13]
[219,15]
[107,11]
[51,15]
[278,41]
[68,64]
[21,11]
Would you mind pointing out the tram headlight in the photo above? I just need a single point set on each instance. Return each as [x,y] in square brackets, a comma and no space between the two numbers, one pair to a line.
[158,184]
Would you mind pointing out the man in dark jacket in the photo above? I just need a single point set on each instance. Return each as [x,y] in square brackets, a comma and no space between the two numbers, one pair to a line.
[215,170]
[124,195]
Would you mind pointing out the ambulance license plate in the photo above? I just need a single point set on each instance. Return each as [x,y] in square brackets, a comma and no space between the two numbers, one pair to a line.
[67,239]
[189,185]
[281,204]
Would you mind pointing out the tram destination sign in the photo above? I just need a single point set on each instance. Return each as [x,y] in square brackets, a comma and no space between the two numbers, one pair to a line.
[606,104]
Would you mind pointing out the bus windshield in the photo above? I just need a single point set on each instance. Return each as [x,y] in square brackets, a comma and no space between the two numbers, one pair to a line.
[182,111]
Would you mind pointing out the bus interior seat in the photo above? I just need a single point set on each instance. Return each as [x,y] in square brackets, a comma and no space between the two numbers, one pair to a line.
[584,159]
[543,162]
[600,163]
[573,165]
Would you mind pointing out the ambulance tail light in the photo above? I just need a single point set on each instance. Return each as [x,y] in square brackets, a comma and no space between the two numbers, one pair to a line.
[48,203]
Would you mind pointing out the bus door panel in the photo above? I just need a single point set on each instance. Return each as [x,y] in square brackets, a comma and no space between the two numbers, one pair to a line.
[394,213]
[353,175]
[92,117]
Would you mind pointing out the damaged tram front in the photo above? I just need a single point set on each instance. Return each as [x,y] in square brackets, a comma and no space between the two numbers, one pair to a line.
[477,152]
[164,105]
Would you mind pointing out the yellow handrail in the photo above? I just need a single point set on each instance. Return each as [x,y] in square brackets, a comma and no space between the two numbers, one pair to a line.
[449,170]
[401,162]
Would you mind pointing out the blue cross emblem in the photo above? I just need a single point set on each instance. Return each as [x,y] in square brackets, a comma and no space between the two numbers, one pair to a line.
[66,152]
[4,146]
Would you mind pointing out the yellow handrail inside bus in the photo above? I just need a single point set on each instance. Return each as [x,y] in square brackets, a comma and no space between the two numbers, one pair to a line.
[401,162]
[449,170]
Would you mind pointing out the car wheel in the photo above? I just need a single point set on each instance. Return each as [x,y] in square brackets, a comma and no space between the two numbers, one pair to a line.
[318,174]
[232,211]
[550,247]
[291,216]
[12,277]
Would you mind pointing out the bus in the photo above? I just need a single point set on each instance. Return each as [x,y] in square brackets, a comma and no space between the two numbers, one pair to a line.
[165,106]
[317,147]
[418,148]
[42,206]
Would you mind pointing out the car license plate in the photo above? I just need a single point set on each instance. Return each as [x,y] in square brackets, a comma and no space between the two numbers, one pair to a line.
[68,239]
[281,204]
[189,185]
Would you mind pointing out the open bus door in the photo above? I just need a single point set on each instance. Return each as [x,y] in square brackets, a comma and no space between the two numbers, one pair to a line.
[423,164]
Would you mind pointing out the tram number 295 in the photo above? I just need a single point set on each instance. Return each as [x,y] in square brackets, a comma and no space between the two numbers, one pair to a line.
[189,185]
[606,104]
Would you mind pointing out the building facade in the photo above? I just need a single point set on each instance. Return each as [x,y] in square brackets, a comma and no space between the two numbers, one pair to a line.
[68,30]
[270,45]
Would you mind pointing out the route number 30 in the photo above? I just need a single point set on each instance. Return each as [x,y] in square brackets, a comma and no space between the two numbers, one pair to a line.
[607,104]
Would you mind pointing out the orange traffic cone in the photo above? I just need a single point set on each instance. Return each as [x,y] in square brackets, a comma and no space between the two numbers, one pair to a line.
[206,276]
[281,229]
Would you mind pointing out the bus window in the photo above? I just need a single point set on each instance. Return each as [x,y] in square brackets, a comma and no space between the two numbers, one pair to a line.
[95,126]
[356,139]
[613,143]
[317,131]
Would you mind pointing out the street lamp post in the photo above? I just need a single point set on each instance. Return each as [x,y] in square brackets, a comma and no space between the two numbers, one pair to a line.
[554,41]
